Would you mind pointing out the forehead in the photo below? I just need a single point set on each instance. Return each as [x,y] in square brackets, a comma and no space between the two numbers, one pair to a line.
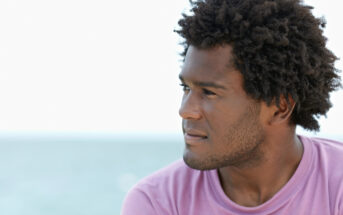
[213,64]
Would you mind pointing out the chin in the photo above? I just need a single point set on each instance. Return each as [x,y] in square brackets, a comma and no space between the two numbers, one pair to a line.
[209,162]
[199,162]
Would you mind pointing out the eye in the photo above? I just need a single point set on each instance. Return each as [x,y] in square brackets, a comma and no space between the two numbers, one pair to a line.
[208,92]
[185,88]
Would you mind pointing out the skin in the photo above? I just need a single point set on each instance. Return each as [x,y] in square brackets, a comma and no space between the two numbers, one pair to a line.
[252,145]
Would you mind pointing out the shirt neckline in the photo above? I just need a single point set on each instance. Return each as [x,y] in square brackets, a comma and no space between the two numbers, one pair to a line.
[281,197]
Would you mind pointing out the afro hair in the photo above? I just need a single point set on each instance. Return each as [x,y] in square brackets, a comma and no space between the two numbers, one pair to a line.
[278,46]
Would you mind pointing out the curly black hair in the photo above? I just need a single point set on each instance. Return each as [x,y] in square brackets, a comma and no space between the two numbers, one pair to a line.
[278,46]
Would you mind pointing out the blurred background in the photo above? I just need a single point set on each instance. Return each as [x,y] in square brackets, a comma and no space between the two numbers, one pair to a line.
[89,100]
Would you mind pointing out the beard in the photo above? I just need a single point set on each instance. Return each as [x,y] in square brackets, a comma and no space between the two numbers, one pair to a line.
[240,145]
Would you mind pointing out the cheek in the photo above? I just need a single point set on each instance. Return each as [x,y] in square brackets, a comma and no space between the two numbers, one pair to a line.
[224,118]
[223,112]
[218,118]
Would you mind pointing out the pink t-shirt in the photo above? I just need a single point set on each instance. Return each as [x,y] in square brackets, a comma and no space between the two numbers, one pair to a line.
[316,188]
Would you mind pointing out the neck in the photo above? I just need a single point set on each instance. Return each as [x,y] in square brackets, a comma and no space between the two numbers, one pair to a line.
[253,185]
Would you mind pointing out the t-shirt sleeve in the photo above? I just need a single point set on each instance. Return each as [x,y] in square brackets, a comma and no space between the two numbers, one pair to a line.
[137,202]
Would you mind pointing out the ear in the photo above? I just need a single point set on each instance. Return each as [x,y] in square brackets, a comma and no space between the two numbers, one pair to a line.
[282,113]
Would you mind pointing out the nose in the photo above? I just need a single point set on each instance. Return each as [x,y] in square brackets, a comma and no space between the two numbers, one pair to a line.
[190,108]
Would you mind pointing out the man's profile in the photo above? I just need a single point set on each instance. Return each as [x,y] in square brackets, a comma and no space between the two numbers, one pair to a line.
[253,71]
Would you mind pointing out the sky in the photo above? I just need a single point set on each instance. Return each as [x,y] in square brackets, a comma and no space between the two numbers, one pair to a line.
[106,66]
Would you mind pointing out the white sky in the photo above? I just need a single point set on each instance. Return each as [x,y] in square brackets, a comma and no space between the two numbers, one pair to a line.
[105,65]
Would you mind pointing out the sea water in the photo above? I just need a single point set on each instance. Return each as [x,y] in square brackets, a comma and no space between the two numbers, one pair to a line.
[78,174]
[50,175]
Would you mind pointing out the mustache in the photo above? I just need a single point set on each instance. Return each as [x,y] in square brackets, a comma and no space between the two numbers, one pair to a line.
[187,125]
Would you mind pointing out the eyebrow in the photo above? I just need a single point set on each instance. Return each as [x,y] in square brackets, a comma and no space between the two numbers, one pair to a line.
[204,84]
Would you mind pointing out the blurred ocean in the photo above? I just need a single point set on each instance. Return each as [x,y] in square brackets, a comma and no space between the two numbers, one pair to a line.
[77,175]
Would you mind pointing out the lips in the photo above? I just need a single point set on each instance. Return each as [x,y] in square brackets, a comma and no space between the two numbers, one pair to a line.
[194,137]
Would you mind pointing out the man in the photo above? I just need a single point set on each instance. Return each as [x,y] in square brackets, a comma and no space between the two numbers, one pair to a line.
[253,71]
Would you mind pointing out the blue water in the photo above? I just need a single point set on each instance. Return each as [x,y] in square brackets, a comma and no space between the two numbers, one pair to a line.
[60,174]
[77,174]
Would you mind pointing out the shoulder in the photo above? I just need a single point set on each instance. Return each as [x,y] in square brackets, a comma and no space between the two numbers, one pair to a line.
[329,150]
[327,153]
[158,192]
[171,179]
[174,170]
[328,160]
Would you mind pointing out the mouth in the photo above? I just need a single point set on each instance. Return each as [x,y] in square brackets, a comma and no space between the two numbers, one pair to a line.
[194,138]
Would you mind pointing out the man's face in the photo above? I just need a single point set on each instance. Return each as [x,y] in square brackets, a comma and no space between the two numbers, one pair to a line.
[221,123]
